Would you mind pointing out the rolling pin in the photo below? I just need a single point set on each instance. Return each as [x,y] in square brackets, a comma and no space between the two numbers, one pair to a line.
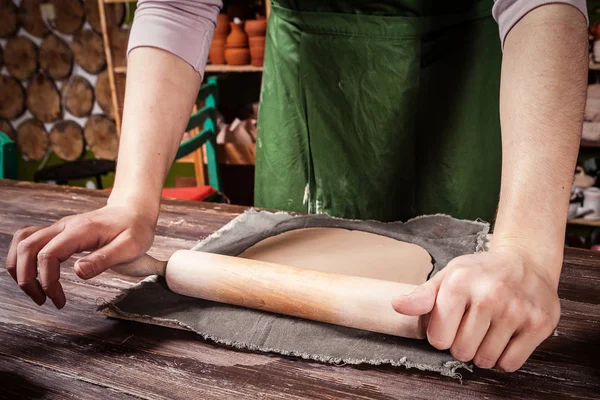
[345,300]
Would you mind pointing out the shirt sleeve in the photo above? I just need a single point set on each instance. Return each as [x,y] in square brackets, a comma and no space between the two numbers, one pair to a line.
[508,12]
[182,27]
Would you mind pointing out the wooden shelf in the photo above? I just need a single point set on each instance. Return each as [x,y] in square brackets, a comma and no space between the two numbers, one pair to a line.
[213,68]
[232,68]
[584,222]
[590,144]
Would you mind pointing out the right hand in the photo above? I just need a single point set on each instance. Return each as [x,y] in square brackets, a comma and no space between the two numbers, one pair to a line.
[114,234]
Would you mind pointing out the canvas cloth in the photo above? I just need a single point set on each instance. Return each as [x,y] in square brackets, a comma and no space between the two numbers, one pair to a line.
[442,236]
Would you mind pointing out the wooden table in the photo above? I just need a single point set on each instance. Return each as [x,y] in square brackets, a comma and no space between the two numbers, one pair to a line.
[77,353]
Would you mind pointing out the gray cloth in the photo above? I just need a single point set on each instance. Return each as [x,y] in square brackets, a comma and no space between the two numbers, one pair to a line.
[443,237]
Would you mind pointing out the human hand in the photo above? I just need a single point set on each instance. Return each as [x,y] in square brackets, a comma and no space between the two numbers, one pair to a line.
[493,308]
[116,234]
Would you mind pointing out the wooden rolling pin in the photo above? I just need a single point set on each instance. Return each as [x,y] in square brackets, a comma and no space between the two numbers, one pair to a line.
[351,301]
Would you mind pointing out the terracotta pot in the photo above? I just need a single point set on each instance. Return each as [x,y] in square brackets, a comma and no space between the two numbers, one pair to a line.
[216,55]
[222,27]
[237,56]
[257,41]
[258,62]
[256,27]
[237,37]
[257,51]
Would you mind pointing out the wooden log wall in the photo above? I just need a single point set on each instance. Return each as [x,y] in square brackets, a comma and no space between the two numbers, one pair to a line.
[54,90]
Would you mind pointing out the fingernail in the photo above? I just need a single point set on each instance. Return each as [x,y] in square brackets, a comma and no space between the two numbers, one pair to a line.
[85,269]
[40,301]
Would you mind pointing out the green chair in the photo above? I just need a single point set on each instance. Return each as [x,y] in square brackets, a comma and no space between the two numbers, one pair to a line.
[207,118]
[8,157]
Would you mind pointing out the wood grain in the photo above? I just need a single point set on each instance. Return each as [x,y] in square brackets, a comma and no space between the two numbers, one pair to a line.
[43,98]
[56,57]
[7,128]
[76,353]
[21,57]
[88,49]
[78,96]
[101,136]
[66,140]
[31,18]
[69,15]
[12,98]
[9,22]
[32,139]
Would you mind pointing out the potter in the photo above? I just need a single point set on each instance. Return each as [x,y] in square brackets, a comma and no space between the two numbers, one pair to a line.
[372,110]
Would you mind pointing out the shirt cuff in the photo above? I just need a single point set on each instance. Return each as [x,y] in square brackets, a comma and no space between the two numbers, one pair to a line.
[180,27]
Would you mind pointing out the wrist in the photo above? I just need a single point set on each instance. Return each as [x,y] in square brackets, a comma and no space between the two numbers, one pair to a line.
[142,204]
[545,260]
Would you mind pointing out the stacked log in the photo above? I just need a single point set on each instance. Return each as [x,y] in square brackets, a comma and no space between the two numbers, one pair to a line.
[9,19]
[56,58]
[88,48]
[101,136]
[78,96]
[66,140]
[43,98]
[12,98]
[21,57]
[32,139]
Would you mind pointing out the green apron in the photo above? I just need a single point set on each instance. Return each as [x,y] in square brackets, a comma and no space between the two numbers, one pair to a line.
[380,110]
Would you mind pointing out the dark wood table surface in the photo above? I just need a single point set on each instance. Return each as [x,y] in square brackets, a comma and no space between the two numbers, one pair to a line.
[78,353]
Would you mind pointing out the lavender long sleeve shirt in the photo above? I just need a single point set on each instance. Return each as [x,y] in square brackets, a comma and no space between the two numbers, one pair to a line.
[185,27]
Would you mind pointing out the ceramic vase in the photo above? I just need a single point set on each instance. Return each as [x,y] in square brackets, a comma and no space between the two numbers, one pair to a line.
[237,38]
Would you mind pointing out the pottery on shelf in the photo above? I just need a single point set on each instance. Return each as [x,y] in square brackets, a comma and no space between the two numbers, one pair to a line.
[222,28]
[256,27]
[237,37]
[216,54]
[237,56]
[257,50]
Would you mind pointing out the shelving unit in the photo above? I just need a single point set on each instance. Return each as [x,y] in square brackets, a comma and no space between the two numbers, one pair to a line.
[590,144]
[584,222]
[213,68]
[227,153]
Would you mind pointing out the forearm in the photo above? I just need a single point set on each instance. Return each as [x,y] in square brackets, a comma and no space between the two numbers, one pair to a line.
[161,89]
[542,99]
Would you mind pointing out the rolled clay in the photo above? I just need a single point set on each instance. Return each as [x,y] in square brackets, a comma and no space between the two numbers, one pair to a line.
[351,301]
[342,251]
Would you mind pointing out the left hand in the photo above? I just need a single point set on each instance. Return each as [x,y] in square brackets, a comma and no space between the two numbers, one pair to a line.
[493,308]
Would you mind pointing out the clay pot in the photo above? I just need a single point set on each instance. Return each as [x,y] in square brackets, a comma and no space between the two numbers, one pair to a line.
[256,27]
[257,50]
[222,28]
[257,53]
[256,41]
[237,37]
[237,56]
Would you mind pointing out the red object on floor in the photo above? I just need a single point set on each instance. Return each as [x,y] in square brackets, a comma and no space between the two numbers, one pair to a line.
[197,193]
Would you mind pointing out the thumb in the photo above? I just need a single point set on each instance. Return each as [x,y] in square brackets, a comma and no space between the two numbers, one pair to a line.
[421,300]
[118,251]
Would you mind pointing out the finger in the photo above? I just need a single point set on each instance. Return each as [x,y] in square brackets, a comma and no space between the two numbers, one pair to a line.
[27,265]
[121,250]
[421,300]
[520,348]
[471,332]
[447,313]
[18,237]
[493,345]
[59,249]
